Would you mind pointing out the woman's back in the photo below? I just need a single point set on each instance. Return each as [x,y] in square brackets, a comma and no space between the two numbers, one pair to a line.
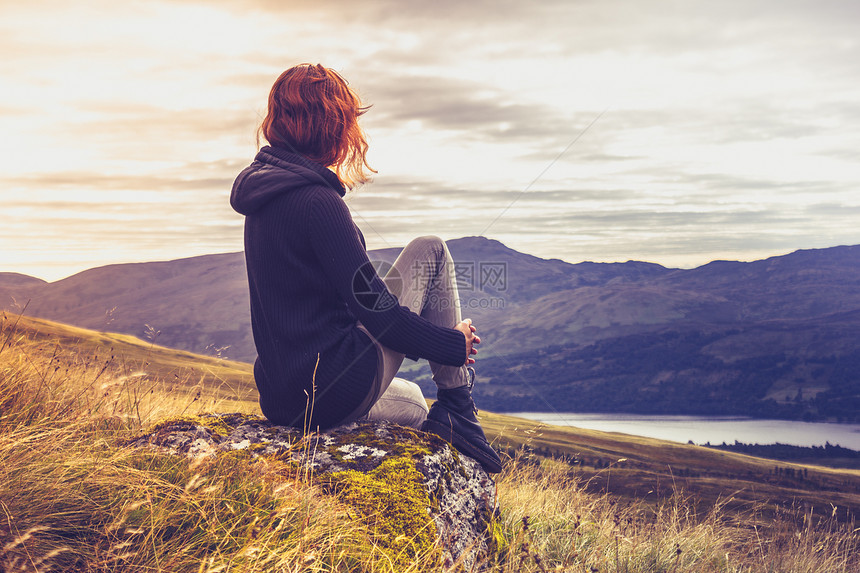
[330,335]
[293,210]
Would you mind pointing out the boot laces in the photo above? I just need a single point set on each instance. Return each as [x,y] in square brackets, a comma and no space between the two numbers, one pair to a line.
[471,372]
[471,385]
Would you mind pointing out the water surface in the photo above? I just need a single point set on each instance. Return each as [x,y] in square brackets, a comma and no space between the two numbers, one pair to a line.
[715,430]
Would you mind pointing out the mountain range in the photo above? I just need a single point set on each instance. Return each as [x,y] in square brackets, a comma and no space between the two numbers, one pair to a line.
[778,337]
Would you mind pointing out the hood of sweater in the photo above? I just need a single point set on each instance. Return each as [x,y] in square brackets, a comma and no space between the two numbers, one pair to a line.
[275,171]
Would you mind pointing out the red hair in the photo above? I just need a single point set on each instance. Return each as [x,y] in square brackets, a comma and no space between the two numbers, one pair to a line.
[313,112]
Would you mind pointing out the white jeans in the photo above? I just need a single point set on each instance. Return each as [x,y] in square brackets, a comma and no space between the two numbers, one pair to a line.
[423,280]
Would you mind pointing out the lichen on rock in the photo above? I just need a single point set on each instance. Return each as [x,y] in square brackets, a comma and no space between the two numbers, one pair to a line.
[420,496]
[393,499]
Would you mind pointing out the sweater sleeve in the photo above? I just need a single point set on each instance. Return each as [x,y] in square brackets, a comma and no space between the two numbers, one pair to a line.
[344,261]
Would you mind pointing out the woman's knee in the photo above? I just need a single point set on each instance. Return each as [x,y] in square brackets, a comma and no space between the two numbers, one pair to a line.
[411,391]
[431,242]
[420,246]
[403,403]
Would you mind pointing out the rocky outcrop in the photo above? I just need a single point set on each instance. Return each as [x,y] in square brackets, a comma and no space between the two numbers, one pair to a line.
[425,492]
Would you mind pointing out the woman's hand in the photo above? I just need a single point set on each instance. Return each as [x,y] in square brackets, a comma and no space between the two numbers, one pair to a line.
[471,339]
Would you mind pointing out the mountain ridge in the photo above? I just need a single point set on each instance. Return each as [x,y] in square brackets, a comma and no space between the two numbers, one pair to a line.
[791,321]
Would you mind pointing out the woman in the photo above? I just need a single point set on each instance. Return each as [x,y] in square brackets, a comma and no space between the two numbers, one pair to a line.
[330,333]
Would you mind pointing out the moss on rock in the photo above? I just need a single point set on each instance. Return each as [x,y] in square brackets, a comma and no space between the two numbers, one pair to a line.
[421,498]
[221,425]
[393,501]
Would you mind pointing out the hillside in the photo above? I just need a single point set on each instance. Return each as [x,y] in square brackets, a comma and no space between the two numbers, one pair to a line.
[778,337]
[198,304]
[801,369]
[773,338]
[76,497]
[127,363]
[651,468]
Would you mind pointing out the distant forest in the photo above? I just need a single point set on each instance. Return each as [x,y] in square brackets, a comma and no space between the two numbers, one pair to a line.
[629,375]
[828,454]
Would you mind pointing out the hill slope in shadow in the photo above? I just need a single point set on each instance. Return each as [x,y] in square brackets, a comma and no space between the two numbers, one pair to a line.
[776,337]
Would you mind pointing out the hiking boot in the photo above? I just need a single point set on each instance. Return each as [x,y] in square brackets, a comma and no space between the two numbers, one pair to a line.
[453,417]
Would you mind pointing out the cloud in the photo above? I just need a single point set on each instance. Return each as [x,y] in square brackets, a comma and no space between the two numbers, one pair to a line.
[725,123]
[55,239]
[381,193]
[467,107]
[157,133]
[833,211]
[181,173]
[598,218]
[95,181]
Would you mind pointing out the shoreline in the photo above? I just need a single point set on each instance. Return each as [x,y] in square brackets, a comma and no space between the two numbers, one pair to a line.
[711,429]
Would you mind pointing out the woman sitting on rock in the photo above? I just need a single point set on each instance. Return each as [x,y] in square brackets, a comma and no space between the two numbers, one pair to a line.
[330,333]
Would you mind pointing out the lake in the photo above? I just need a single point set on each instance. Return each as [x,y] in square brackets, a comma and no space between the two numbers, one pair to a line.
[715,430]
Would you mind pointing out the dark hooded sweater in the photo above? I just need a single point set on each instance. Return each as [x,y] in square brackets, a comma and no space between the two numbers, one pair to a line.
[311,283]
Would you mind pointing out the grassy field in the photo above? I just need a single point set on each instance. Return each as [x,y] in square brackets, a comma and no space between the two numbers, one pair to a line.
[641,468]
[130,372]
[73,499]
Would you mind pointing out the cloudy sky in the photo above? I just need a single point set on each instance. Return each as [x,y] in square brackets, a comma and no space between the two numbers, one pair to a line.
[676,132]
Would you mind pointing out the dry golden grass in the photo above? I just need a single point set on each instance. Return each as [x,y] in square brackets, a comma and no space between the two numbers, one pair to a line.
[655,469]
[553,523]
[72,498]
